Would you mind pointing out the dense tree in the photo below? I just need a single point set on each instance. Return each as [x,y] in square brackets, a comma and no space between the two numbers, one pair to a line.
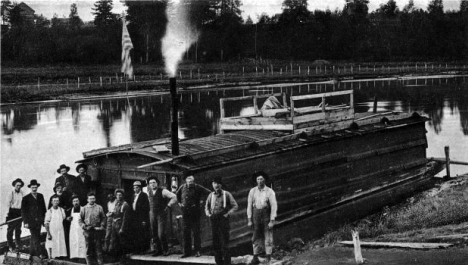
[5,11]
[350,33]
[103,15]
[75,20]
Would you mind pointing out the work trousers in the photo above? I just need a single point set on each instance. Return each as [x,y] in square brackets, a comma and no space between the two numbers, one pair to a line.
[93,245]
[262,236]
[220,233]
[191,224]
[14,227]
[35,248]
[108,235]
[158,223]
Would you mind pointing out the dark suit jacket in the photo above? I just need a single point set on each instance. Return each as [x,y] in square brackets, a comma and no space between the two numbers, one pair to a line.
[68,181]
[82,188]
[141,212]
[33,210]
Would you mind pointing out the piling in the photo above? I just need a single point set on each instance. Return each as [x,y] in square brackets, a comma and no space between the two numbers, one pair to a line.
[447,161]
[357,248]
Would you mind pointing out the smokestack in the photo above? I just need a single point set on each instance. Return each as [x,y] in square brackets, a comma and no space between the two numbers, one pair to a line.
[175,116]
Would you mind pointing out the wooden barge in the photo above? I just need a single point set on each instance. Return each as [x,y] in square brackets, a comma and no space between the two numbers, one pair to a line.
[319,159]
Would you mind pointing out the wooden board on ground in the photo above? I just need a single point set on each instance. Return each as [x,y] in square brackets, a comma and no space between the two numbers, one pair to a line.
[174,259]
[399,245]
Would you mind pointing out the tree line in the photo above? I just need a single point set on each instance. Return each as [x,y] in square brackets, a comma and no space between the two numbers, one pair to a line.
[390,33]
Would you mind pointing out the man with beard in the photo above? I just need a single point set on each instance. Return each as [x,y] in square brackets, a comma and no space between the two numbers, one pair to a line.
[67,180]
[140,220]
[77,240]
[190,196]
[33,210]
[82,183]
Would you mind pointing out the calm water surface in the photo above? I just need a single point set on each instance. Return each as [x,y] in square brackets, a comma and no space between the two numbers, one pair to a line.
[37,138]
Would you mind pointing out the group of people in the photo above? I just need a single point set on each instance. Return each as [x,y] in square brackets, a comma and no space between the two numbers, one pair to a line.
[77,227]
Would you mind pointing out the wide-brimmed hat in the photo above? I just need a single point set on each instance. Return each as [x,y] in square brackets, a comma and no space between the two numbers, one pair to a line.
[218,180]
[260,173]
[119,190]
[81,166]
[58,184]
[17,180]
[62,167]
[33,182]
[153,177]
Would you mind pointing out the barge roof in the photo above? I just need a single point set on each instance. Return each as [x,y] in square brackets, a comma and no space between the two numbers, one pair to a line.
[239,145]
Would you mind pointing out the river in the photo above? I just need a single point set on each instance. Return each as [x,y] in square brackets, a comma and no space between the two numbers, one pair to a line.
[37,138]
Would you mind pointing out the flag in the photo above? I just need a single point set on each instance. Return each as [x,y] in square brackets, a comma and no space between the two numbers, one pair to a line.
[127,45]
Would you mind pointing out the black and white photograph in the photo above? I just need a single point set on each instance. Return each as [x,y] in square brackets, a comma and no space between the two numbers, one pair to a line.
[274,132]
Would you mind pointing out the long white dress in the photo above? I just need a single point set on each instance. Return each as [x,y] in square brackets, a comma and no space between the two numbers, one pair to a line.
[56,247]
[77,239]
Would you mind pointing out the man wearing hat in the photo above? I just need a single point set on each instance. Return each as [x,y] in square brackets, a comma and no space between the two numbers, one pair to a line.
[67,180]
[220,204]
[189,196]
[140,218]
[261,214]
[33,210]
[82,184]
[13,200]
[160,200]
[65,203]
[120,225]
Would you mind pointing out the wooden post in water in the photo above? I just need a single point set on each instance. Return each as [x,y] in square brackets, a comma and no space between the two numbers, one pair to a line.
[78,82]
[375,104]
[38,83]
[100,81]
[447,161]
[357,248]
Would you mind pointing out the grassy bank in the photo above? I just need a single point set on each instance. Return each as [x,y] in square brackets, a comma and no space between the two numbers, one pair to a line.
[423,218]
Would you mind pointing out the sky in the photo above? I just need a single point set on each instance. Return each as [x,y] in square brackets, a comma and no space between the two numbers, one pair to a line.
[252,8]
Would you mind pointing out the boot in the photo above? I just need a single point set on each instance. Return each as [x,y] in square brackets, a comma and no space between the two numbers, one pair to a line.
[100,260]
[255,260]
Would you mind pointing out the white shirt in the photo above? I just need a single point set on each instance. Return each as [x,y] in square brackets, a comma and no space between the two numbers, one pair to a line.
[14,199]
[111,206]
[135,200]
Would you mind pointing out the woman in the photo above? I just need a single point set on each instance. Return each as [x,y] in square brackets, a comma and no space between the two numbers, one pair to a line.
[55,242]
[77,239]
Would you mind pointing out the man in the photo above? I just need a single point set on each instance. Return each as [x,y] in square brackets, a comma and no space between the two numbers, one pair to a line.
[14,199]
[120,226]
[77,243]
[64,196]
[160,200]
[82,184]
[220,204]
[110,209]
[261,214]
[190,196]
[33,211]
[93,222]
[55,241]
[140,222]
[67,180]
